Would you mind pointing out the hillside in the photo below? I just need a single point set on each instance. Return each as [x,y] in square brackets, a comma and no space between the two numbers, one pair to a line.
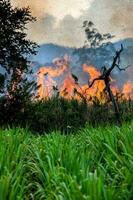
[98,58]
[47,52]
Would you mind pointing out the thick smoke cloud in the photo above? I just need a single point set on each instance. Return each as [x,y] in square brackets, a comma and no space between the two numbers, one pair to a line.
[67,32]
[114,16]
[109,16]
[57,8]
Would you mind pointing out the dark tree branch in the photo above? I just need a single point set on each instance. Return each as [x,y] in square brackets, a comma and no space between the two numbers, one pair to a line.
[105,76]
[96,79]
[122,69]
[117,57]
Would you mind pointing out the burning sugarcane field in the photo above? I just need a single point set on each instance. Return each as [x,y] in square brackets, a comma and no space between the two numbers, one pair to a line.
[66,100]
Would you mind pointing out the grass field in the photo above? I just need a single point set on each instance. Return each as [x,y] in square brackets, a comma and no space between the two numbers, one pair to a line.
[94,164]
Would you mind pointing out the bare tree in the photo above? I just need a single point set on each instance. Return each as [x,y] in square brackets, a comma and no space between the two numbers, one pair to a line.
[96,40]
[106,77]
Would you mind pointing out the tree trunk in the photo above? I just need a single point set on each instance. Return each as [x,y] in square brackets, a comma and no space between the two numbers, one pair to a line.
[114,103]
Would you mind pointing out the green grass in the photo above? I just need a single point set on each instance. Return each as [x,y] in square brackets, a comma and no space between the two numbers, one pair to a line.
[94,164]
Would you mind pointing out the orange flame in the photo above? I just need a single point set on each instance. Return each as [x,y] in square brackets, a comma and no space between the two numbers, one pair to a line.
[98,86]
[128,90]
[67,90]
[46,82]
[46,75]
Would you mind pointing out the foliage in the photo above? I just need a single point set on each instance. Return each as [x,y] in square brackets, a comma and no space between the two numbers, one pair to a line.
[96,40]
[93,164]
[94,37]
[64,115]
[13,148]
[53,114]
[15,49]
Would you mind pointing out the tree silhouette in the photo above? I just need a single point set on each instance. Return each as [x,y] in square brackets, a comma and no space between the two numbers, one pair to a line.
[15,49]
[105,76]
[95,40]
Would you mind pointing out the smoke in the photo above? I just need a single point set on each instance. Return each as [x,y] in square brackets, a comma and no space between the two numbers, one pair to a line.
[122,17]
[61,22]
[38,7]
[67,32]
[59,9]
[113,16]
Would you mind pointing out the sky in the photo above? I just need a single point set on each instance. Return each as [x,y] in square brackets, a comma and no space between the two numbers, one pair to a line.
[60,21]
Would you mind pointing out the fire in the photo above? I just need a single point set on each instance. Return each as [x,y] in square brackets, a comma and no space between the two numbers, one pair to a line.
[67,90]
[46,81]
[45,84]
[45,78]
[91,70]
[98,86]
[128,90]
[115,90]
[69,85]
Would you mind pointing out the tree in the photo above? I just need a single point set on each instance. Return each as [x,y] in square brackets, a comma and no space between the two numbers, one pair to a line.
[95,40]
[15,49]
[105,76]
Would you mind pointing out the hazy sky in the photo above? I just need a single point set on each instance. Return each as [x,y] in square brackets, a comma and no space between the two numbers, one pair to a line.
[60,21]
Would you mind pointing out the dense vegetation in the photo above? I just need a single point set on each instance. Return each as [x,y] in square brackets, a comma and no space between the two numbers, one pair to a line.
[63,115]
[16,89]
[96,163]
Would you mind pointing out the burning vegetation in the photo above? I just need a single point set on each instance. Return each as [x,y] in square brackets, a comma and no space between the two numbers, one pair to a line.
[70,88]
